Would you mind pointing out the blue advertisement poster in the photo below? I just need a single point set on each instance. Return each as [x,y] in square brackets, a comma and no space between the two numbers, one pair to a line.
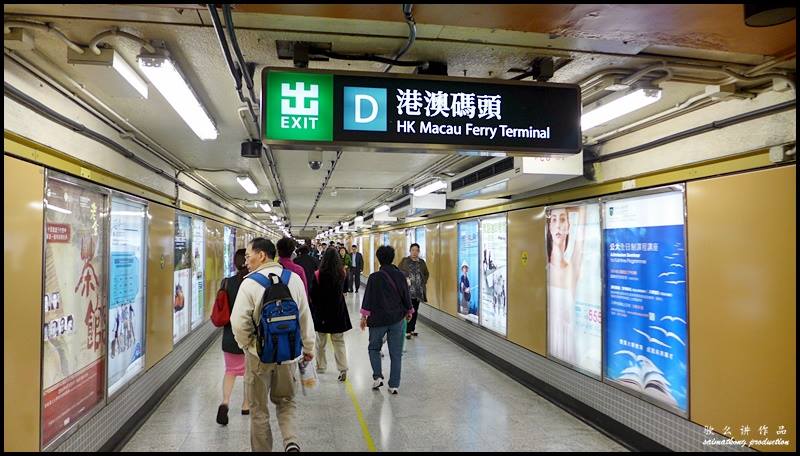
[468,283]
[645,297]
[126,293]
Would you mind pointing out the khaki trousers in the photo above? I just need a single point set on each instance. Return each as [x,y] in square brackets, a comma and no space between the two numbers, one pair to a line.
[339,351]
[279,382]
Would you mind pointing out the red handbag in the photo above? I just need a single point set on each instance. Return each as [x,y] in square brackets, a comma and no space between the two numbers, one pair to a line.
[221,313]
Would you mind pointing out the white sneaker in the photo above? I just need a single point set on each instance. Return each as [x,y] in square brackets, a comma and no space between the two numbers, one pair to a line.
[394,390]
[377,383]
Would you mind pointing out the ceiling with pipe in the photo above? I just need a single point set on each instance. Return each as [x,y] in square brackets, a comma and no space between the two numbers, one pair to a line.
[594,45]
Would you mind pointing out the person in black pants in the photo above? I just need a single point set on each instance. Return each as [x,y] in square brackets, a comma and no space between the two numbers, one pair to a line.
[416,272]
[356,266]
[234,356]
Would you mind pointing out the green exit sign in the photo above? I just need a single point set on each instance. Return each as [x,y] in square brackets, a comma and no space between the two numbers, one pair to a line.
[299,106]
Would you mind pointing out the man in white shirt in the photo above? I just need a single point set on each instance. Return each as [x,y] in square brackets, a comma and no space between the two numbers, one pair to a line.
[276,380]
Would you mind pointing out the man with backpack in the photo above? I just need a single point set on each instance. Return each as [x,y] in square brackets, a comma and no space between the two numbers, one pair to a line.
[270,320]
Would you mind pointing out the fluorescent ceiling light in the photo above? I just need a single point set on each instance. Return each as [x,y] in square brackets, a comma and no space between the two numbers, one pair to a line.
[247,184]
[125,70]
[169,81]
[430,188]
[383,208]
[359,219]
[273,217]
[625,104]
[266,207]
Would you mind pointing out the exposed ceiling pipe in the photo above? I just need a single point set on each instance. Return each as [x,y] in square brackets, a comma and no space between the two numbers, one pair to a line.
[117,32]
[47,28]
[137,137]
[322,188]
[412,33]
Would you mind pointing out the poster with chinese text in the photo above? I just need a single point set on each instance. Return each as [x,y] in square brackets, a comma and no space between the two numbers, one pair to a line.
[198,270]
[494,274]
[645,296]
[468,271]
[182,294]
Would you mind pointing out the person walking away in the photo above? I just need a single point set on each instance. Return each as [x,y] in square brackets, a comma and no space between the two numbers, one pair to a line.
[309,265]
[329,310]
[386,303]
[417,273]
[357,265]
[276,380]
[285,249]
[234,356]
[346,261]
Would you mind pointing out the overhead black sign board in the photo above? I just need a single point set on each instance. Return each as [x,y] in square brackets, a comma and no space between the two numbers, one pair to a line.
[389,111]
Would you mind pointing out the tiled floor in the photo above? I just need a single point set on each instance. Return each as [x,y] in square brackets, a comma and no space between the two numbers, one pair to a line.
[449,401]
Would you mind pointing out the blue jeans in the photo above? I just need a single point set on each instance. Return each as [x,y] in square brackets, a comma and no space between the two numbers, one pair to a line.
[395,341]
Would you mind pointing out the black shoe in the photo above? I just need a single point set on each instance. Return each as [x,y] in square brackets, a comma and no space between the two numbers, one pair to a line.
[415,334]
[246,412]
[222,414]
[292,447]
[408,336]
[342,376]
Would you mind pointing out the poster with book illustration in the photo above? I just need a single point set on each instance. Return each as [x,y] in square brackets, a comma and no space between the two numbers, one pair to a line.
[198,270]
[494,274]
[645,296]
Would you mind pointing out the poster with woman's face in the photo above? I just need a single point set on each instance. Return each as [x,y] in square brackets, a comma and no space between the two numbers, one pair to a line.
[574,293]
[73,365]
[468,271]
[494,274]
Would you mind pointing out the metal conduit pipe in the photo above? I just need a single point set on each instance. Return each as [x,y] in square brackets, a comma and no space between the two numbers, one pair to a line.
[223,43]
[169,158]
[47,28]
[226,11]
[117,32]
[41,109]
[162,153]
[412,33]
[322,189]
[718,124]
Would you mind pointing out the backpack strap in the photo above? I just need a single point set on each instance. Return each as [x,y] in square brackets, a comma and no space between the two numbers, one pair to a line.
[263,281]
[285,276]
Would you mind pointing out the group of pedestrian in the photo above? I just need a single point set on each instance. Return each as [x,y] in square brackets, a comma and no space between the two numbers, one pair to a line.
[317,281]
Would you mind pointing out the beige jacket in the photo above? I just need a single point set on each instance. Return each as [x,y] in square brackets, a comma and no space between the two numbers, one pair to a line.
[248,301]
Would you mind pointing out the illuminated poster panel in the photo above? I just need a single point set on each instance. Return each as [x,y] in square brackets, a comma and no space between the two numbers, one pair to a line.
[494,272]
[182,294]
[126,293]
[468,271]
[198,270]
[420,239]
[74,301]
[227,251]
[645,304]
[574,290]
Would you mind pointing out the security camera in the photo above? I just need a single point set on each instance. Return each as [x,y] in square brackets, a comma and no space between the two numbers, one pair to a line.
[315,159]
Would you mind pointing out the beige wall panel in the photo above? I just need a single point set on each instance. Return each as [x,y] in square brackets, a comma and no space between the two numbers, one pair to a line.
[397,239]
[160,268]
[214,261]
[23,232]
[448,267]
[742,236]
[433,258]
[527,285]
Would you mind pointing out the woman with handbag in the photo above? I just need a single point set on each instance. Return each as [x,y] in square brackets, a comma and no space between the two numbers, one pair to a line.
[329,311]
[234,356]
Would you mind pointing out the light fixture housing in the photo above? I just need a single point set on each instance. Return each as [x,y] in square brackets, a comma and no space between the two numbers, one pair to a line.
[165,75]
[381,208]
[247,184]
[618,105]
[97,67]
[265,206]
[436,185]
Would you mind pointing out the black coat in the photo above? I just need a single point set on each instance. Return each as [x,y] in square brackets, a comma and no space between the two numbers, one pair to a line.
[309,265]
[229,344]
[387,297]
[328,307]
